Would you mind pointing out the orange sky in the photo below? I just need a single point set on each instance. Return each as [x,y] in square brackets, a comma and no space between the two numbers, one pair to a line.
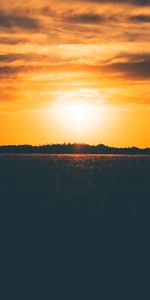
[75,71]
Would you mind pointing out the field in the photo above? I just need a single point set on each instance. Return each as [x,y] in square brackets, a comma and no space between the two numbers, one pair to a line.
[74,227]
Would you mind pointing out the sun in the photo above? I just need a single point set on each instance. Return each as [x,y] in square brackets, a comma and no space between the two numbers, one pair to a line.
[75,109]
[75,115]
[79,113]
[75,118]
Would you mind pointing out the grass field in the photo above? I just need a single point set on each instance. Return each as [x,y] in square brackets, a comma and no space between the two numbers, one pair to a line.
[74,227]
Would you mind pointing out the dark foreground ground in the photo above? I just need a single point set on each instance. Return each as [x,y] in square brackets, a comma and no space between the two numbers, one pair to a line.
[74,227]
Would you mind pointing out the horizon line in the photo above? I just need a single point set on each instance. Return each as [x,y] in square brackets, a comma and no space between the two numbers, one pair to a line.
[73,144]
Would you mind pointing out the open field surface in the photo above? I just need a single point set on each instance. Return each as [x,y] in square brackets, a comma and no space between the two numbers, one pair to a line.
[74,227]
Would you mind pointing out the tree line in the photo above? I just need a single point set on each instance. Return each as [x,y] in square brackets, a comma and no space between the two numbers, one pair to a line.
[71,149]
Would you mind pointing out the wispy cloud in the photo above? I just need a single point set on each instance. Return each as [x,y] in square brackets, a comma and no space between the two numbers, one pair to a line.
[85,18]
[133,2]
[140,18]
[10,20]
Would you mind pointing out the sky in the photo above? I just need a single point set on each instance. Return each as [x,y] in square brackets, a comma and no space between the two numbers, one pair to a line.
[75,71]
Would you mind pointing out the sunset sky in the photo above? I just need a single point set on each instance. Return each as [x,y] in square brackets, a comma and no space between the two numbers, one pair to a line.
[75,71]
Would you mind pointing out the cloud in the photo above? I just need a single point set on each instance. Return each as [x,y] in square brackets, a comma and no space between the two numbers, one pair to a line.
[140,19]
[129,58]
[12,41]
[54,60]
[8,71]
[10,20]
[124,65]
[13,57]
[132,66]
[47,11]
[85,18]
[7,58]
[134,2]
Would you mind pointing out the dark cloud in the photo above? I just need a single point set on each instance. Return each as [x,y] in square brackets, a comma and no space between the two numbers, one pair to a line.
[10,20]
[7,58]
[134,2]
[47,11]
[136,66]
[12,72]
[30,57]
[130,66]
[139,57]
[12,41]
[8,71]
[140,19]
[85,18]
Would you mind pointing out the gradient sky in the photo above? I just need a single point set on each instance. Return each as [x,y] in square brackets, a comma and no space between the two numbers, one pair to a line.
[60,59]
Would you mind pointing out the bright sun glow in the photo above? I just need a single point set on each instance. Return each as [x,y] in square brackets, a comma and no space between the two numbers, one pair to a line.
[75,117]
[79,113]
[75,110]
